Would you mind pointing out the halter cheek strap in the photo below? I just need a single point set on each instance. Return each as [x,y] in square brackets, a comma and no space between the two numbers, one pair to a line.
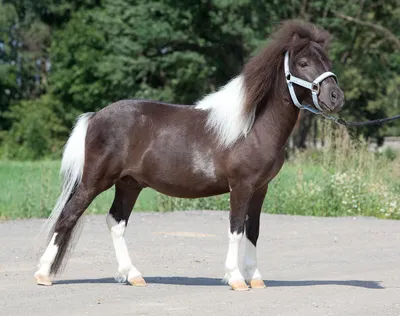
[313,86]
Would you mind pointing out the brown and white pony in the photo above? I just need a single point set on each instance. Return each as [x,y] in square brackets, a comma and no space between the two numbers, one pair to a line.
[233,140]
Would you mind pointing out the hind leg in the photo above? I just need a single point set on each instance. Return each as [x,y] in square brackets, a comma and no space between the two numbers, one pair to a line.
[117,220]
[51,260]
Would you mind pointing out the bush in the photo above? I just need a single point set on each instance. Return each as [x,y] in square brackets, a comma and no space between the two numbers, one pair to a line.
[37,130]
[348,179]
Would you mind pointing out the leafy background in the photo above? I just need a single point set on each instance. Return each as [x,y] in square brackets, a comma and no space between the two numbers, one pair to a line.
[60,58]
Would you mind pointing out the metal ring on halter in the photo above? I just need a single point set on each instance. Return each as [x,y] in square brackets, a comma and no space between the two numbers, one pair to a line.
[315,88]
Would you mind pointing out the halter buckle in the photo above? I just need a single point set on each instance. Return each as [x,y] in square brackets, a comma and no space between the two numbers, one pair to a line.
[315,88]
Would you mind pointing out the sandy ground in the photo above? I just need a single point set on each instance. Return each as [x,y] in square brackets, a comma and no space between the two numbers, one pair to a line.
[312,266]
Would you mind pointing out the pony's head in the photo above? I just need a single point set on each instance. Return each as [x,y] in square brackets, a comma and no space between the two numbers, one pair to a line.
[307,60]
[296,61]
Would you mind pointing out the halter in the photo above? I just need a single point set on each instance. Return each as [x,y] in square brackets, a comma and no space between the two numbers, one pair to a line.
[313,86]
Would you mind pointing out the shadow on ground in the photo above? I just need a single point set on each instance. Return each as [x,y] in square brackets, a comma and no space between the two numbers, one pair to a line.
[85,281]
[190,281]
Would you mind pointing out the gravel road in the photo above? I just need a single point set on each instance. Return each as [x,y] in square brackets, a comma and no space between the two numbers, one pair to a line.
[312,266]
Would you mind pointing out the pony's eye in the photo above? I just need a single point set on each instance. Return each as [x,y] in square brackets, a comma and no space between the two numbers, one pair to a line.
[303,64]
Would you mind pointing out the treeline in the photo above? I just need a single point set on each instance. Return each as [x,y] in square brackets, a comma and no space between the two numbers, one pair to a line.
[59,58]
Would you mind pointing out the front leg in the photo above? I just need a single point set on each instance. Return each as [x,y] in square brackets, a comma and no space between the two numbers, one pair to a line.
[251,272]
[240,198]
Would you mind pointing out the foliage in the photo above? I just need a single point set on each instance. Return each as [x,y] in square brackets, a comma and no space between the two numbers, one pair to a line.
[37,131]
[8,83]
[118,51]
[351,179]
[88,53]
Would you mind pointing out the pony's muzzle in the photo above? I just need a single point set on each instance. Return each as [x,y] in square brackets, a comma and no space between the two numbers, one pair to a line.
[331,97]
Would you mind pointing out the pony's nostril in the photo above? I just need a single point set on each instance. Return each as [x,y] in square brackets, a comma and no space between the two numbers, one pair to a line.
[334,95]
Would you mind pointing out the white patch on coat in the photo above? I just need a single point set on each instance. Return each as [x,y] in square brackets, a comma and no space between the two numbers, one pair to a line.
[225,108]
[232,272]
[126,270]
[48,257]
[203,163]
[250,262]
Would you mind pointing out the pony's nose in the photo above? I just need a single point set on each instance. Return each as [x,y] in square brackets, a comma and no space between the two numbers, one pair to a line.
[334,96]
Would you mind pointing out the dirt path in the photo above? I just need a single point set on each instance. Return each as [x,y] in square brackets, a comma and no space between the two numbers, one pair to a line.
[312,266]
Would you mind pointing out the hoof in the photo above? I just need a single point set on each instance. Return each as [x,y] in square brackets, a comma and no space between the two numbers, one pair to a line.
[239,285]
[43,280]
[257,284]
[138,281]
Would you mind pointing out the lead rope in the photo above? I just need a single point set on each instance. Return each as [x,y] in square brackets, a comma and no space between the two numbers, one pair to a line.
[345,123]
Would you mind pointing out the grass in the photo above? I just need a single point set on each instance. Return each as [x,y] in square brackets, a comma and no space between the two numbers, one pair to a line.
[342,179]
[30,189]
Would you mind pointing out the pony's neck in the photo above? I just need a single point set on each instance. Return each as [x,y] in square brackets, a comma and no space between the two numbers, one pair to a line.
[277,119]
[276,114]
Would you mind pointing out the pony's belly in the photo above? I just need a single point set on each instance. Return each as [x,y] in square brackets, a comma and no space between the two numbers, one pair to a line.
[189,189]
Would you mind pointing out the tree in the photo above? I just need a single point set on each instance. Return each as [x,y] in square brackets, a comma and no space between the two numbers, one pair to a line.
[178,51]
[151,50]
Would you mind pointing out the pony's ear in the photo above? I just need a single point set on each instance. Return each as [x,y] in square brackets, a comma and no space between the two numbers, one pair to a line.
[325,40]
[295,38]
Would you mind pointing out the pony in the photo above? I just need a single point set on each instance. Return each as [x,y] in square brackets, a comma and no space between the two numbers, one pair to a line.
[231,141]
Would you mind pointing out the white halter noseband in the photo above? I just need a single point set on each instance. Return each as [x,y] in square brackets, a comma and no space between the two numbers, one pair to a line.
[313,86]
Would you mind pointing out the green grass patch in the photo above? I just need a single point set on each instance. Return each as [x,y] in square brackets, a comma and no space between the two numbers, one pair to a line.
[30,189]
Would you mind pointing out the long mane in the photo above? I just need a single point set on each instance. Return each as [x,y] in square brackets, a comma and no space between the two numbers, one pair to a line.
[232,109]
[262,71]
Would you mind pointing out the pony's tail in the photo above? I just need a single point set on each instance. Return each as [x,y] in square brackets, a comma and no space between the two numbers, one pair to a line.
[72,164]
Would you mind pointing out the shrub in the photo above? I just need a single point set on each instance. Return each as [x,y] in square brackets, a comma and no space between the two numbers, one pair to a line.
[37,130]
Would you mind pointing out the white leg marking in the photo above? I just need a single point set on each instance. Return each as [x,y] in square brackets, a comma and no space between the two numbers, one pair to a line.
[125,266]
[250,262]
[47,258]
[232,272]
